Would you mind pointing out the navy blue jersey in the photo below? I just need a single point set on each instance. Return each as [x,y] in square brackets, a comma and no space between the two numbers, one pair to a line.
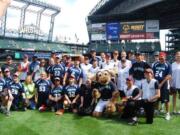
[43,86]
[58,70]
[8,80]
[49,69]
[2,84]
[32,66]
[106,90]
[72,90]
[16,88]
[75,71]
[137,70]
[96,58]
[57,91]
[161,70]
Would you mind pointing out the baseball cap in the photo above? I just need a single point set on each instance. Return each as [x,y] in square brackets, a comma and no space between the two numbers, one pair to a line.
[148,70]
[162,54]
[7,70]
[8,57]
[53,52]
[58,56]
[93,50]
[156,53]
[108,55]
[138,53]
[129,79]
[25,56]
[57,78]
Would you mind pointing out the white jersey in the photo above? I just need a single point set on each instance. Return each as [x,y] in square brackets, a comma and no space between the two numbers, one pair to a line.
[128,63]
[149,88]
[108,66]
[93,70]
[115,63]
[85,69]
[129,92]
[175,75]
[123,73]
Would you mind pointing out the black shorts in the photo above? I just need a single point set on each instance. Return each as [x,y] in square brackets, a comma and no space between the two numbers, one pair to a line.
[164,91]
[174,90]
[57,105]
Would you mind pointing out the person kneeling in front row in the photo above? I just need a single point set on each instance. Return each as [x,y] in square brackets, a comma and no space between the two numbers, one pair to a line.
[150,94]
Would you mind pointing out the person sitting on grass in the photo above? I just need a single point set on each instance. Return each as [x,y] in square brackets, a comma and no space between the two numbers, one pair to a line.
[30,92]
[5,96]
[7,76]
[72,94]
[56,97]
[86,106]
[18,93]
[43,87]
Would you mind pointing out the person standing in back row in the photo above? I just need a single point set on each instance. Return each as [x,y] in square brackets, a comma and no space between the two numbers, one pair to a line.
[175,84]
[162,73]
[137,69]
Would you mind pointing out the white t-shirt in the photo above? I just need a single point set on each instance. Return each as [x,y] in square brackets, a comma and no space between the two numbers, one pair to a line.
[107,66]
[149,89]
[25,68]
[175,75]
[85,69]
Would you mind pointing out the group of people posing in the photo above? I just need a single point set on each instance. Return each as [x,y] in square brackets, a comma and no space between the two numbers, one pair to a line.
[61,84]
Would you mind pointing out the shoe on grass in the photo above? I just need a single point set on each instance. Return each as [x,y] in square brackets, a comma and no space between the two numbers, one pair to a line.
[133,123]
[42,108]
[167,117]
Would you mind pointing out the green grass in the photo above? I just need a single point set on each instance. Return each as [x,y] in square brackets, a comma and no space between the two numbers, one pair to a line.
[47,123]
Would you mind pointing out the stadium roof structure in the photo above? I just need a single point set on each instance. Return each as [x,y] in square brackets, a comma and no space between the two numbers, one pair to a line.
[25,29]
[166,11]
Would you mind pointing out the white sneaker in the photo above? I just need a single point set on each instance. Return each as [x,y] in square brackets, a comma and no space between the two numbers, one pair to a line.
[167,117]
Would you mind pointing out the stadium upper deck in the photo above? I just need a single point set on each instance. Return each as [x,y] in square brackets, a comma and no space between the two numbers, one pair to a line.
[166,11]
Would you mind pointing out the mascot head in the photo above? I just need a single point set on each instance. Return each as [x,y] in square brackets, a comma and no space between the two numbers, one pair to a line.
[103,77]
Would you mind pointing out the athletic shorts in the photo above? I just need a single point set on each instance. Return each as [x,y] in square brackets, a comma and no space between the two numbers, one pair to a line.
[174,90]
[164,94]
[101,105]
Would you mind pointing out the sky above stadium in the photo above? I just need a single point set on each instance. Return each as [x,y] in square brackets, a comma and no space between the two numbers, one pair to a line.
[72,19]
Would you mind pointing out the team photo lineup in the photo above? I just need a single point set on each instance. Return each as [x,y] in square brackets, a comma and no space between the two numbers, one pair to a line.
[121,83]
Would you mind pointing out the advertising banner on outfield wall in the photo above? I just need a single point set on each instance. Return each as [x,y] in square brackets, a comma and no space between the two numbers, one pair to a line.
[152,26]
[133,27]
[112,31]
[139,30]
[98,31]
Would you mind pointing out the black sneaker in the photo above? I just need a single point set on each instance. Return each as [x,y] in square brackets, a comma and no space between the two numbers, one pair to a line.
[133,123]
